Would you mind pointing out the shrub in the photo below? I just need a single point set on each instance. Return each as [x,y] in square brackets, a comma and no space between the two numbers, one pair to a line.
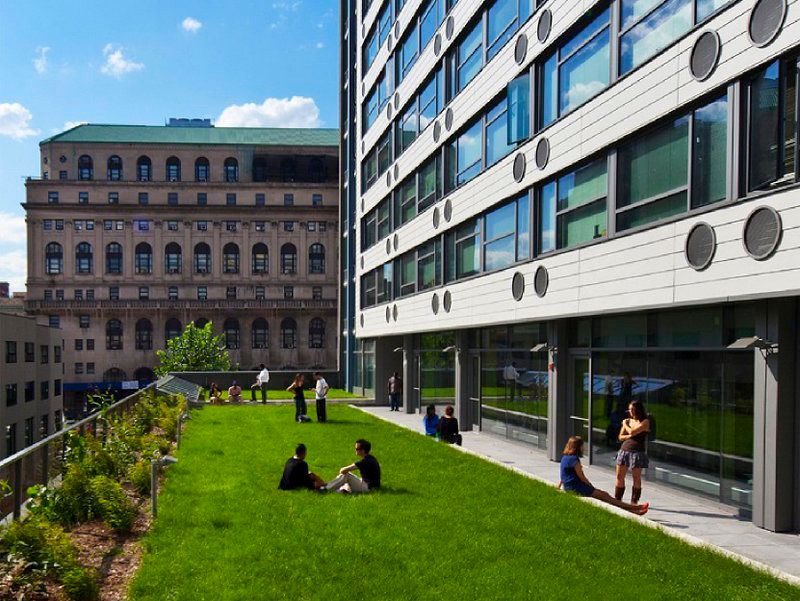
[111,503]
[80,584]
[139,476]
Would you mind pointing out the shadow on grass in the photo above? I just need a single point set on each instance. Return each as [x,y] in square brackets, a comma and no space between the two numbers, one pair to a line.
[391,490]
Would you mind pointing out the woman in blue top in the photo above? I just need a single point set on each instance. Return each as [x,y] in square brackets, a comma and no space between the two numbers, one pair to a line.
[573,478]
[431,421]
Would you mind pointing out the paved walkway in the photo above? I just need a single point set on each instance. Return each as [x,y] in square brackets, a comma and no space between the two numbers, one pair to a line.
[694,519]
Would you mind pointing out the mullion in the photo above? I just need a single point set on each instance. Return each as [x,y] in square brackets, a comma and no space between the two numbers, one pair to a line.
[656,198]
[562,59]
[797,120]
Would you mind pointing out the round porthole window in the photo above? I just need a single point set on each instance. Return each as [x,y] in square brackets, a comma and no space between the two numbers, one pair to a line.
[541,280]
[701,243]
[766,21]
[705,55]
[518,286]
[762,233]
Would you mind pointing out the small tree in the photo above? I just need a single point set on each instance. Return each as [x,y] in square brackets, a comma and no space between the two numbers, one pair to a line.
[196,349]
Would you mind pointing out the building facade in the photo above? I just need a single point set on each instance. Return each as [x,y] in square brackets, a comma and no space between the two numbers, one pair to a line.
[565,206]
[31,378]
[135,231]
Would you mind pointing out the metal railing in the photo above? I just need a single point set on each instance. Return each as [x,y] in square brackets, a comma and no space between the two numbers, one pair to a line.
[43,461]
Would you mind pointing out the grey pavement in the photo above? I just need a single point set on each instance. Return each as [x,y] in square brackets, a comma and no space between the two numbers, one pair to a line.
[694,519]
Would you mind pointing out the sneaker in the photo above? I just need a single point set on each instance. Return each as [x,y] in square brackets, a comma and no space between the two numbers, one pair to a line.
[643,508]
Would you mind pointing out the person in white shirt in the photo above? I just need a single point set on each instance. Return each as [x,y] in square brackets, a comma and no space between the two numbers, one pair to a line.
[510,375]
[320,392]
[262,379]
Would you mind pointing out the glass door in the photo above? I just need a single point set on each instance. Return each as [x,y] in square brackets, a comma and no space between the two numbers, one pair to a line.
[474,407]
[580,416]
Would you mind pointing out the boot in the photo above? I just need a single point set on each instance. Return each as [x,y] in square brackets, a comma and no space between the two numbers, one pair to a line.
[619,492]
[635,495]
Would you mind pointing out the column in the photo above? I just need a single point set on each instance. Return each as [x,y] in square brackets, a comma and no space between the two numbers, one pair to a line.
[558,389]
[462,378]
[410,374]
[774,404]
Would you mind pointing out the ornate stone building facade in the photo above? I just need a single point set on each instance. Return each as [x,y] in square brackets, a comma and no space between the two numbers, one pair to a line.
[134,231]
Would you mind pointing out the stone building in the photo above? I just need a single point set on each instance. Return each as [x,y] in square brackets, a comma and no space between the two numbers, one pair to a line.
[134,231]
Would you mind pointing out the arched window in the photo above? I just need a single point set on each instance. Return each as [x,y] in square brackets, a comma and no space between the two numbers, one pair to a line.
[200,322]
[114,258]
[144,169]
[288,333]
[260,258]
[53,258]
[143,262]
[230,258]
[316,258]
[85,167]
[173,169]
[144,335]
[114,335]
[259,169]
[83,258]
[316,170]
[231,170]
[231,331]
[288,258]
[115,374]
[201,170]
[172,329]
[202,258]
[172,258]
[260,333]
[316,333]
[114,173]
[288,169]
[144,374]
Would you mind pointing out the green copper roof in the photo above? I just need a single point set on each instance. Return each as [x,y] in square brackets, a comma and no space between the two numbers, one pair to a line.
[155,134]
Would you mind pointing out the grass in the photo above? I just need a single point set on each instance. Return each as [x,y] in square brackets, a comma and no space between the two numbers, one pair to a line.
[284,395]
[446,526]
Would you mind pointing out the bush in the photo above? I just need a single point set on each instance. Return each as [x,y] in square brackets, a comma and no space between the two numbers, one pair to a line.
[80,584]
[111,503]
[67,504]
[139,476]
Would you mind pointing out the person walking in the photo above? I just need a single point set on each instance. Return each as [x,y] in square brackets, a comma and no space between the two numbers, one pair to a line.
[300,409]
[632,455]
[574,480]
[511,375]
[262,379]
[320,393]
[395,389]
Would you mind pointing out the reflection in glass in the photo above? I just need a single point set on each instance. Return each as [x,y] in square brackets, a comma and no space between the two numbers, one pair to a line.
[655,32]
[709,153]
[469,56]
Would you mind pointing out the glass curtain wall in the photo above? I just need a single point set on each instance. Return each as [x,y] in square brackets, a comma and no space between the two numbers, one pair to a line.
[699,394]
[514,383]
[437,370]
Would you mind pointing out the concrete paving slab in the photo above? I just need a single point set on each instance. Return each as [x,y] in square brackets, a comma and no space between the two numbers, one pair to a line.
[696,520]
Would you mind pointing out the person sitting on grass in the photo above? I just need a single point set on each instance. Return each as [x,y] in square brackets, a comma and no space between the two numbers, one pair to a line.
[431,421]
[573,479]
[235,393]
[448,427]
[370,470]
[296,474]
[214,394]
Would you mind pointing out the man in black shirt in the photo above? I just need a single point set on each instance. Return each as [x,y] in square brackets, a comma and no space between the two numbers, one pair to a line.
[368,466]
[296,474]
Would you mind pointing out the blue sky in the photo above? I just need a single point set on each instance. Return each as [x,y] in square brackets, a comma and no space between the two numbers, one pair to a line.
[239,62]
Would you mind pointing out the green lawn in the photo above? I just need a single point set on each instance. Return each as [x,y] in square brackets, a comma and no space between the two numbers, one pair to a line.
[446,526]
[284,395]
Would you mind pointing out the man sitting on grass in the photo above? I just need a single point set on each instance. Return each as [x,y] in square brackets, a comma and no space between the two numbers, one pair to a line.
[235,393]
[296,474]
[370,470]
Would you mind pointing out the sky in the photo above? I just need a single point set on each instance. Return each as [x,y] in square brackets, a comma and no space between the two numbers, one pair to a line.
[267,63]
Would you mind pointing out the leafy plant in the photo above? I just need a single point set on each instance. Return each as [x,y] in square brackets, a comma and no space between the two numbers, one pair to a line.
[139,476]
[111,503]
[196,349]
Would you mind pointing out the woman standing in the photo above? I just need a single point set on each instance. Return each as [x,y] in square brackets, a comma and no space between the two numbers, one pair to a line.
[632,454]
[573,479]
[299,398]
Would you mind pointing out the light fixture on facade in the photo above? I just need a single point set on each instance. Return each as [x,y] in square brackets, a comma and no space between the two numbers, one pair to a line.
[399,349]
[541,347]
[450,349]
[754,342]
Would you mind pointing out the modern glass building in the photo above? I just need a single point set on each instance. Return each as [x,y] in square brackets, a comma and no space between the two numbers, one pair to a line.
[563,206]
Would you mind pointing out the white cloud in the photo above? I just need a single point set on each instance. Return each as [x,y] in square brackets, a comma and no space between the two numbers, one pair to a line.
[191,25]
[13,230]
[14,268]
[287,5]
[116,64]
[320,45]
[297,111]
[40,62]
[15,121]
[71,124]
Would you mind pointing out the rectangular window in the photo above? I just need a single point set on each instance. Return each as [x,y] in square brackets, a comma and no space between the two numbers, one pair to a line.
[44,390]
[503,20]
[260,226]
[230,199]
[11,351]
[144,293]
[78,344]
[90,368]
[172,293]
[11,439]
[113,198]
[369,230]
[59,224]
[141,225]
[384,282]
[469,56]
[11,395]
[465,159]
[52,198]
[144,198]
[30,391]
[496,145]
[368,289]
[579,69]
[573,207]
[429,259]
[260,293]
[322,226]
[59,294]
[56,354]
[288,200]
[29,352]
[83,321]
[90,344]
[288,292]
[316,200]
[261,200]
[230,226]
[62,175]
[90,294]
[83,198]
[518,105]
[406,272]
[172,199]
[288,226]
[54,321]
[48,295]
[646,31]
[202,199]
[47,224]
[56,387]
[202,226]
[311,226]
[202,293]
[463,251]
[230,293]
[44,354]
[316,292]
[172,226]
[113,293]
